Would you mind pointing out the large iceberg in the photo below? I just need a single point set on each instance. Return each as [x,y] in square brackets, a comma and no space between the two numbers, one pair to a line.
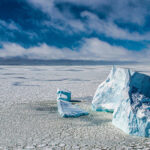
[127,93]
[66,109]
[109,93]
[133,113]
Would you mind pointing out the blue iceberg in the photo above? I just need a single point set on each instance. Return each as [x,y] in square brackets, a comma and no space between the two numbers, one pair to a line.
[133,113]
[64,95]
[109,93]
[127,94]
[65,107]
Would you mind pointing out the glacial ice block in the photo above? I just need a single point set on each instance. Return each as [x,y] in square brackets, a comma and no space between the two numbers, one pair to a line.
[66,109]
[133,113]
[109,93]
[64,95]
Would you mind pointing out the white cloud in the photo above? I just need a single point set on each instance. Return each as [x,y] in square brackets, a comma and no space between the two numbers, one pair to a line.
[11,25]
[11,50]
[58,19]
[46,5]
[110,29]
[130,11]
[92,49]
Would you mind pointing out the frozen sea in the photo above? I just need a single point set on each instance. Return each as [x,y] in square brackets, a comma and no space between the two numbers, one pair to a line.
[28,110]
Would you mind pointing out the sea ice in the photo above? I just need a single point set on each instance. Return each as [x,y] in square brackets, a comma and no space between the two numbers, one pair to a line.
[66,109]
[127,93]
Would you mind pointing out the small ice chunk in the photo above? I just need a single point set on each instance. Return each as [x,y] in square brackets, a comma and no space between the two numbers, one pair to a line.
[64,95]
[66,109]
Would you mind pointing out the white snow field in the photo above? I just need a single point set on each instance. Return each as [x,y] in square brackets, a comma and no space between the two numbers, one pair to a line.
[28,110]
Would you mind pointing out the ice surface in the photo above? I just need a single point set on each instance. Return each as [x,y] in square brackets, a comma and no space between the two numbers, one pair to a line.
[109,93]
[29,116]
[128,93]
[66,109]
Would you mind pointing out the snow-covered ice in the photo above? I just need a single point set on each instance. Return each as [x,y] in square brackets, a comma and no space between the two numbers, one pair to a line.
[29,116]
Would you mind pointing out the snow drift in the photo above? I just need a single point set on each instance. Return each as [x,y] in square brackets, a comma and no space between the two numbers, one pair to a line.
[127,93]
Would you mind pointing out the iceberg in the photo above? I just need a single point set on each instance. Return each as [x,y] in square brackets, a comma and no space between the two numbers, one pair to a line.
[64,95]
[109,93]
[127,94]
[66,109]
[133,113]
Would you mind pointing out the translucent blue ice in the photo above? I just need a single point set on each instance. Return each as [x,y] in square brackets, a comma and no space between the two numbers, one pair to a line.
[108,93]
[64,95]
[133,113]
[127,93]
[66,109]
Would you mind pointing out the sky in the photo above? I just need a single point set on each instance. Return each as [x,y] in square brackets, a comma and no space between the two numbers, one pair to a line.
[75,29]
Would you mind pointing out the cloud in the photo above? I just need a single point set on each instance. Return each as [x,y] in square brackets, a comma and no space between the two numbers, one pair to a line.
[11,25]
[45,5]
[10,31]
[11,50]
[63,21]
[50,29]
[91,49]
[110,29]
[129,11]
